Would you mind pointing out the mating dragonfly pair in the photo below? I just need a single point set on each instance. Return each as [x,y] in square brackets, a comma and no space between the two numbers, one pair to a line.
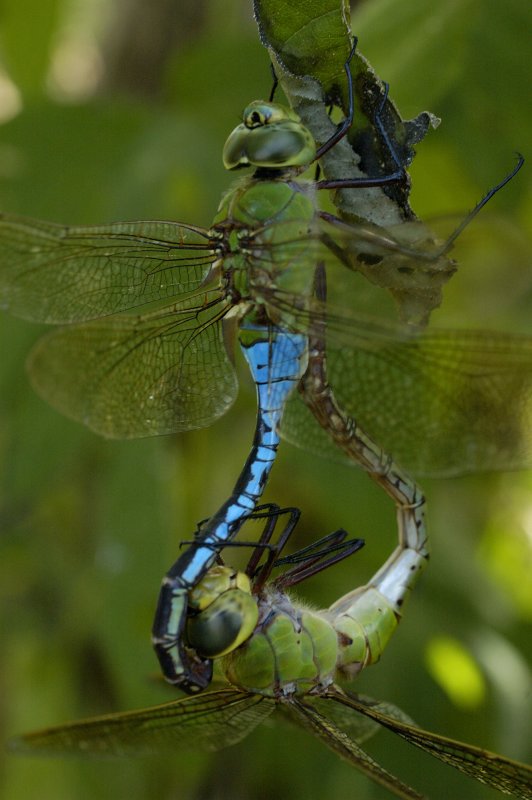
[273,654]
[260,274]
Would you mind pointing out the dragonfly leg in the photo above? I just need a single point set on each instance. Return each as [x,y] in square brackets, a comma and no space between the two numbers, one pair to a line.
[316,557]
[275,84]
[271,512]
[398,174]
[277,360]
[391,245]
[261,573]
[304,563]
[268,511]
[346,123]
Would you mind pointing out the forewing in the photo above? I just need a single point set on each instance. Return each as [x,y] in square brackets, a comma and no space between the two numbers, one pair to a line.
[306,715]
[508,776]
[58,274]
[208,721]
[128,377]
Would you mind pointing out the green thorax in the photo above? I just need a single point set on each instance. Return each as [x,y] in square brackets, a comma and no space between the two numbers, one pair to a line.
[268,224]
[291,651]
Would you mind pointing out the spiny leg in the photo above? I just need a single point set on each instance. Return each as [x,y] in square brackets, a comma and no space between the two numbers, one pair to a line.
[304,563]
[343,128]
[272,513]
[398,174]
[260,574]
[315,558]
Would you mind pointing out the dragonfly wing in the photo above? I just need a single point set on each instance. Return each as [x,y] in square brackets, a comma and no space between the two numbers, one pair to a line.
[129,377]
[441,403]
[210,721]
[337,740]
[504,774]
[58,274]
[357,727]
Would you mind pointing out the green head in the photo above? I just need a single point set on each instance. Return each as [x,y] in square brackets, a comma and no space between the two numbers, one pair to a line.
[270,135]
[224,612]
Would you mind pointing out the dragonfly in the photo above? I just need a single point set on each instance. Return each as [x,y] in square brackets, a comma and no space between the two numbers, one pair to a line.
[274,655]
[151,310]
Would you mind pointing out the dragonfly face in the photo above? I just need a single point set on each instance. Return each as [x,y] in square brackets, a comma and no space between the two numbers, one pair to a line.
[271,136]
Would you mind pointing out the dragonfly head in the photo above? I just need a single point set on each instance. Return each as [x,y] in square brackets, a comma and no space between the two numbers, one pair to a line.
[224,613]
[271,136]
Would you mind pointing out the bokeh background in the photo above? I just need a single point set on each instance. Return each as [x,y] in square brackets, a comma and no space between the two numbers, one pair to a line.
[118,110]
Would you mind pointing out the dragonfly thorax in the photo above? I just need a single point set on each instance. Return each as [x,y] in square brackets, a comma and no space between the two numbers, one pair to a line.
[271,136]
[293,650]
[268,225]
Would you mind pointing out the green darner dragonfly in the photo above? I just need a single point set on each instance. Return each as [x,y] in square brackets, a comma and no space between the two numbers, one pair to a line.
[151,311]
[274,654]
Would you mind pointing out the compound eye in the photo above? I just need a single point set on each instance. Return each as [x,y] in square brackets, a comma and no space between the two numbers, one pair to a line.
[224,625]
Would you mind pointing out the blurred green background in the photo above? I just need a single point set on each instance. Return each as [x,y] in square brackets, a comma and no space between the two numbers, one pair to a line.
[119,110]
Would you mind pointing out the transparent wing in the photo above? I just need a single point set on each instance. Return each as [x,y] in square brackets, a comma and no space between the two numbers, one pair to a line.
[131,376]
[357,727]
[209,721]
[57,274]
[306,715]
[509,777]
[441,402]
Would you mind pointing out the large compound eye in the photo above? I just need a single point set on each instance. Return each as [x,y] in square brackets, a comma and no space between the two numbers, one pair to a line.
[270,136]
[224,625]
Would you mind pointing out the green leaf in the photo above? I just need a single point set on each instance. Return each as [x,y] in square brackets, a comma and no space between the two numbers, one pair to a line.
[310,38]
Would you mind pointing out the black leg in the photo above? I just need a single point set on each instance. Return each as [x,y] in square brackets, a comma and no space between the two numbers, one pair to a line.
[346,123]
